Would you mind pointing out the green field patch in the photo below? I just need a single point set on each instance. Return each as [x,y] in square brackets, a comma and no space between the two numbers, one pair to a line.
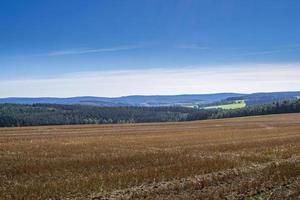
[236,105]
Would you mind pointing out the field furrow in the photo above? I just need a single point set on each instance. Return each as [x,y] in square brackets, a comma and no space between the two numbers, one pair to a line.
[241,158]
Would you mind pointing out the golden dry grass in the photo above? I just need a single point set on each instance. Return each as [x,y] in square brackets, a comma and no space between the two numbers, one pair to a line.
[251,157]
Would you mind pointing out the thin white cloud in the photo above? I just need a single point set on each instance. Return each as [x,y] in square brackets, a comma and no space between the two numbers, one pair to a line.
[90,50]
[260,52]
[279,49]
[193,80]
[243,51]
[193,47]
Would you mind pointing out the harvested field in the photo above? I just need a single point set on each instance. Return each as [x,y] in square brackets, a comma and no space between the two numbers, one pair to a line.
[241,158]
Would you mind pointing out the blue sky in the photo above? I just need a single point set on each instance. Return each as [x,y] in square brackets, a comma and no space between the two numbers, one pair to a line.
[55,40]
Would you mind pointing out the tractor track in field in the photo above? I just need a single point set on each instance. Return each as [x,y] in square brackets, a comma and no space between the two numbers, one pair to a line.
[251,158]
[248,182]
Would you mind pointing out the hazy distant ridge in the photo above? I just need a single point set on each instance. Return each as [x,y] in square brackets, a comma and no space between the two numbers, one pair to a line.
[137,100]
[159,100]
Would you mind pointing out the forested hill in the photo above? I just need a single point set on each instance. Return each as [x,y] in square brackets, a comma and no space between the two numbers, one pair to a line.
[137,100]
[13,115]
[192,100]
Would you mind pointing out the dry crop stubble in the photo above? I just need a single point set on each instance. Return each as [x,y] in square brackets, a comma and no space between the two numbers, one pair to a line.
[249,157]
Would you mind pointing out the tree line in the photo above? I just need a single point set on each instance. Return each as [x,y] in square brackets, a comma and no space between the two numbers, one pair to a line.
[15,115]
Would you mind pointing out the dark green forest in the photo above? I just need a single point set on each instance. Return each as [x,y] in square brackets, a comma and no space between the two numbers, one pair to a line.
[15,115]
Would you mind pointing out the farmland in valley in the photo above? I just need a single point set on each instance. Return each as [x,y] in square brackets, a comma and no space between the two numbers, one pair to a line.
[236,105]
[239,158]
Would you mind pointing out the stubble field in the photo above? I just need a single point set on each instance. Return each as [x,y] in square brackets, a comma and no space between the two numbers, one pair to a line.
[241,158]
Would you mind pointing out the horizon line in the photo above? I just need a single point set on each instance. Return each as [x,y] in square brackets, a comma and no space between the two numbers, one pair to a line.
[146,95]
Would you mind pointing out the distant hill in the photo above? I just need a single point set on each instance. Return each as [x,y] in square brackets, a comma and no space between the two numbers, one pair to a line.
[265,98]
[158,100]
[192,100]
[12,115]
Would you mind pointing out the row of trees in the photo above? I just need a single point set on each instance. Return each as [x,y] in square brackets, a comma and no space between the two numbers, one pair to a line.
[51,114]
[12,115]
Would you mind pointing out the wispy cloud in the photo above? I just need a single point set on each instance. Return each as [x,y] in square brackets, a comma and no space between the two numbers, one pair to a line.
[242,51]
[234,78]
[266,52]
[275,50]
[92,50]
[193,47]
